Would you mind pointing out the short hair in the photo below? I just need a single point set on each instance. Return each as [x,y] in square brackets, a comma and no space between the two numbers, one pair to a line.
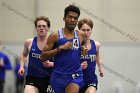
[72,8]
[46,19]
[87,21]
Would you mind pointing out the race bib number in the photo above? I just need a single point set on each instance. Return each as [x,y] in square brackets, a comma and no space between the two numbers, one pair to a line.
[75,43]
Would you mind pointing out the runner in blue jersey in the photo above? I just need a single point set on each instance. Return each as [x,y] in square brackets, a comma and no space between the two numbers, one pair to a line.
[5,64]
[65,45]
[93,57]
[38,73]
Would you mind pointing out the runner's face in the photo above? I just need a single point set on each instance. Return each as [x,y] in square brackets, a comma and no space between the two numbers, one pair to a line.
[42,28]
[71,20]
[87,30]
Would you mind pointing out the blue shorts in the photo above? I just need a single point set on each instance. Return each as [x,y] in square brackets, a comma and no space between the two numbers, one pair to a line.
[60,81]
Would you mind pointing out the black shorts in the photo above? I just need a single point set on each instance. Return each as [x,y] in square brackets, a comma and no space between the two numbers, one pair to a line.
[1,85]
[84,88]
[42,84]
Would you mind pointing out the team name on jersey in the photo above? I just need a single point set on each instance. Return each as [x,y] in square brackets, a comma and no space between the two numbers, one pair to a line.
[91,57]
[35,55]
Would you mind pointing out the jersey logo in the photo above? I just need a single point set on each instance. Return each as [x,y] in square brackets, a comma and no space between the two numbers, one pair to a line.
[33,49]
[75,75]
[49,89]
[92,84]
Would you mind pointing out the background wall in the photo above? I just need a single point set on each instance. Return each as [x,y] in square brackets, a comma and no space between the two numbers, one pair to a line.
[117,26]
